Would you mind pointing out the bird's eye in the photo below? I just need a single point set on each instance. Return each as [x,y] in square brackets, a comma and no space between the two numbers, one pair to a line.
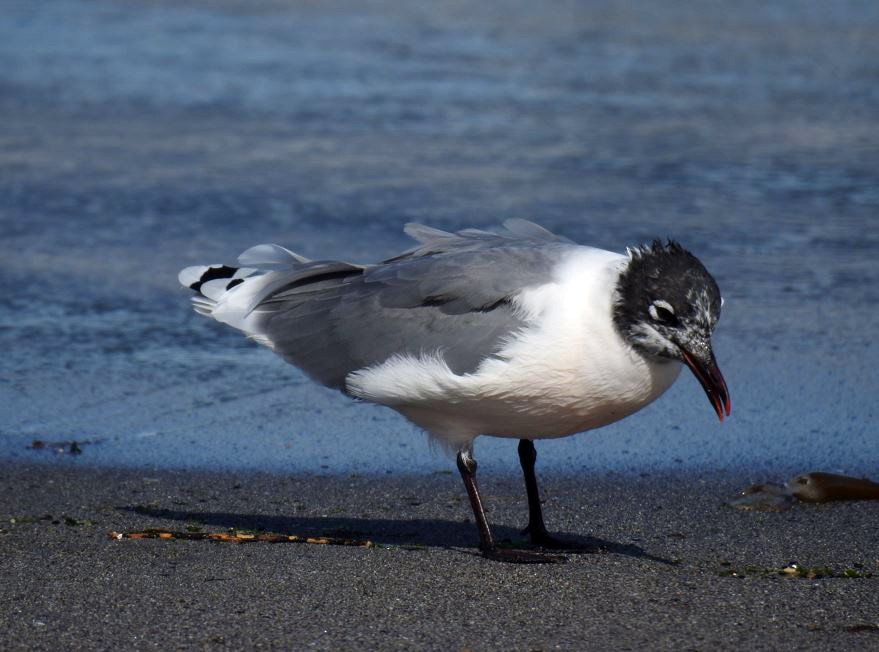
[662,311]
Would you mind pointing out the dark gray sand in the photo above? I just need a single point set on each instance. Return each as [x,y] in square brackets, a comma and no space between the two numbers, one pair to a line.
[140,137]
[665,582]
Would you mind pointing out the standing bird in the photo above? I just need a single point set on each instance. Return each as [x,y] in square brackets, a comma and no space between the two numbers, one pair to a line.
[520,333]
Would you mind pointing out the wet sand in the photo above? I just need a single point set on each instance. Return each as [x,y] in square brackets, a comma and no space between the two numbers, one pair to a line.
[682,570]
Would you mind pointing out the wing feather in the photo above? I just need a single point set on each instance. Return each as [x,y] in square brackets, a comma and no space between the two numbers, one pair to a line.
[452,295]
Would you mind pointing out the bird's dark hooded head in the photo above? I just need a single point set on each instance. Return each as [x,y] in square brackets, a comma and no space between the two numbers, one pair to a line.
[666,306]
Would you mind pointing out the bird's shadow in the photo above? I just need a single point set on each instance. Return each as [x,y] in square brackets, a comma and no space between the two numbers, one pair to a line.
[435,533]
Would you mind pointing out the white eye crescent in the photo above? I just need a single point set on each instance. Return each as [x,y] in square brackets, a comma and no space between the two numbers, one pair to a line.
[661,310]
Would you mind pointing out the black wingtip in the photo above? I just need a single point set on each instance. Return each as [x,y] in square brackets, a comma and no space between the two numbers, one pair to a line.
[213,273]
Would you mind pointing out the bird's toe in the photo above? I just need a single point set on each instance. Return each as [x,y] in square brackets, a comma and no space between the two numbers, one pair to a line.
[543,539]
[516,556]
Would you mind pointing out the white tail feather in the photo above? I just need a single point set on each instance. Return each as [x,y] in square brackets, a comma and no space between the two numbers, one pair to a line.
[229,295]
[192,275]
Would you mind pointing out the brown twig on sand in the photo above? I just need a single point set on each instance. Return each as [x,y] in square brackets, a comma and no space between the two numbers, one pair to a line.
[239,537]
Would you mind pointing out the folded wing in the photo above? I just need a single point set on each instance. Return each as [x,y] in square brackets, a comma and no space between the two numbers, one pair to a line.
[451,296]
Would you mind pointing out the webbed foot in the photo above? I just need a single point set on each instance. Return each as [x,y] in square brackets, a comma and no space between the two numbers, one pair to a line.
[543,539]
[517,556]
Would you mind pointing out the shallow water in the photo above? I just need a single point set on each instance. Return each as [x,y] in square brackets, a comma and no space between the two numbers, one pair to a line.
[137,139]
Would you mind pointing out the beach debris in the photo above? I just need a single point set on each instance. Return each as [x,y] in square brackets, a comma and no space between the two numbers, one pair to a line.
[796,570]
[819,487]
[48,518]
[23,520]
[767,497]
[814,487]
[75,522]
[241,536]
[862,627]
[71,447]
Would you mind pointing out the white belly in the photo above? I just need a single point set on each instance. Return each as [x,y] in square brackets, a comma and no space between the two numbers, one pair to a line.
[529,401]
[567,372]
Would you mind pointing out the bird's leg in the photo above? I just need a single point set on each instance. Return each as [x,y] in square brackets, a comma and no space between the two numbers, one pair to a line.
[467,467]
[536,530]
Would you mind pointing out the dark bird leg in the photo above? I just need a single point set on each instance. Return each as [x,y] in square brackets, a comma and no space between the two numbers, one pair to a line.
[467,467]
[536,530]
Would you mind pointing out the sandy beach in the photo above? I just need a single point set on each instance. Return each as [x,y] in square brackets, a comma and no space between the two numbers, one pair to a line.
[681,569]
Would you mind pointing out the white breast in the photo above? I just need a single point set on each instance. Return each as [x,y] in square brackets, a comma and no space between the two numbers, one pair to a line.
[566,372]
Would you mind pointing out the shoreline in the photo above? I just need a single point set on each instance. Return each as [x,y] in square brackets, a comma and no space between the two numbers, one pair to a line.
[681,568]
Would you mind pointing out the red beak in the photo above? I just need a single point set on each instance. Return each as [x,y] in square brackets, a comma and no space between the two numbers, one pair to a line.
[709,376]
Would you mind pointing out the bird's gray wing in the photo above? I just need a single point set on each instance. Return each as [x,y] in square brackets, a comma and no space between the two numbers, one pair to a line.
[450,296]
[433,240]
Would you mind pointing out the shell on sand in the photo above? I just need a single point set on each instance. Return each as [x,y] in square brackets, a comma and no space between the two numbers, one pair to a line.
[819,487]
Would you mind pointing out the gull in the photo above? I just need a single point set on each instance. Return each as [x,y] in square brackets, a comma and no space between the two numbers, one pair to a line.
[517,333]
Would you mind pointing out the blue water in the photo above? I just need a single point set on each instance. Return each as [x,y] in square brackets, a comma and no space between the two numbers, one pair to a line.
[138,138]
